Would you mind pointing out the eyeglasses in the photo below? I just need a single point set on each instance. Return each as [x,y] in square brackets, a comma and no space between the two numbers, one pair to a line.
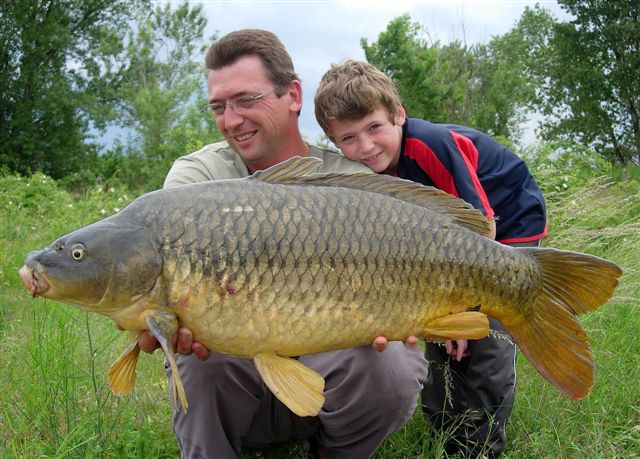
[239,105]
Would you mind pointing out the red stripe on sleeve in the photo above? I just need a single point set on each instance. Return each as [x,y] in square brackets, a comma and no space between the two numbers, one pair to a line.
[431,165]
[469,155]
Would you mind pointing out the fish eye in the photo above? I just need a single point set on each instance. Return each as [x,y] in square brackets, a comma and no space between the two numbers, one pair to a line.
[78,252]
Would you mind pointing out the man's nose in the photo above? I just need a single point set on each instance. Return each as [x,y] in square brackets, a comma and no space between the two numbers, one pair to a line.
[231,119]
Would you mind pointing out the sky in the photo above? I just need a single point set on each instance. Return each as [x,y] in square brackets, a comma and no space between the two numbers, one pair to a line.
[318,33]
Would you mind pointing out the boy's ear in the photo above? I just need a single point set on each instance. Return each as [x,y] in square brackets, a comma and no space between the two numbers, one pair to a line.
[400,116]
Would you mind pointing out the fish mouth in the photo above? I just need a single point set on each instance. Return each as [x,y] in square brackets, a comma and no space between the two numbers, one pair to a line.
[33,280]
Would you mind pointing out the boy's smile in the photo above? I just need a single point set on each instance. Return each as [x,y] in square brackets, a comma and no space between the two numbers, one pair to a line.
[374,140]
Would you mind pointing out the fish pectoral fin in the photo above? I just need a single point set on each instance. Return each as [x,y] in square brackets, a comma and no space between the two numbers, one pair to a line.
[164,326]
[296,385]
[462,325]
[122,373]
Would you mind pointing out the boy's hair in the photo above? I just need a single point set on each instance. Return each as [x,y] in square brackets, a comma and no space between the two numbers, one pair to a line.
[262,43]
[352,90]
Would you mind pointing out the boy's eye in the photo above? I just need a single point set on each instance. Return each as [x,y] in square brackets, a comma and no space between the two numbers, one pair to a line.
[375,127]
[346,139]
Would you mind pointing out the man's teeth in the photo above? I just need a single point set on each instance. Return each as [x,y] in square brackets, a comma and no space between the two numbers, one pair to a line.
[240,138]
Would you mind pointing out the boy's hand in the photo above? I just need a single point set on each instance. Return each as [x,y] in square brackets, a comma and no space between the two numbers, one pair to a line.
[457,349]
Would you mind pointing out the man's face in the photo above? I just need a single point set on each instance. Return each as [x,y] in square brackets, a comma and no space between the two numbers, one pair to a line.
[258,134]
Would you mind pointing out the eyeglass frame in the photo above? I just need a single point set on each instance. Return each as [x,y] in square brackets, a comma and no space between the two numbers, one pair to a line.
[221,107]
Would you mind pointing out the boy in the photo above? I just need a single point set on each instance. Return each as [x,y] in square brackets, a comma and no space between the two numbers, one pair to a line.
[359,108]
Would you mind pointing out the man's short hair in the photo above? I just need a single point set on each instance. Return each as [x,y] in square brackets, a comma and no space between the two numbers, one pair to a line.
[262,43]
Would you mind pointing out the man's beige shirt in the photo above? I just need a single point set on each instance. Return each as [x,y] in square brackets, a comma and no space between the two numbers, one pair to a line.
[219,161]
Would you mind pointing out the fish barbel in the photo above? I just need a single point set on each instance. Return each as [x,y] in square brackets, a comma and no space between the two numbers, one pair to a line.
[288,262]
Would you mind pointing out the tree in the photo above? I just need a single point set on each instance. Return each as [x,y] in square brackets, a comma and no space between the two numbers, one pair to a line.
[474,85]
[408,61]
[163,93]
[588,74]
[58,60]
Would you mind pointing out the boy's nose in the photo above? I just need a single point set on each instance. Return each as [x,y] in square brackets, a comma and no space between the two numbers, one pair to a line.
[366,144]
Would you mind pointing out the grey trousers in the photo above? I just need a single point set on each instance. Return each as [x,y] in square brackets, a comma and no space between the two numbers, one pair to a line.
[369,395]
[482,393]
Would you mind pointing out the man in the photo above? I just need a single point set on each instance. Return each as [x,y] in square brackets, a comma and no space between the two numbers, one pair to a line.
[255,97]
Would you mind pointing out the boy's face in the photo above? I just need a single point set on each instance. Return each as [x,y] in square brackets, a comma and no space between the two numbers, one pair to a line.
[373,140]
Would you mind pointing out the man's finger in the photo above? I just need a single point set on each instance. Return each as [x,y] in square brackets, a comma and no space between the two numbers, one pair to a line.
[201,352]
[184,341]
[380,343]
[412,342]
[148,343]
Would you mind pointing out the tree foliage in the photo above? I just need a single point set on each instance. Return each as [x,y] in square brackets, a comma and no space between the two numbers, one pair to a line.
[162,94]
[587,74]
[71,70]
[476,85]
[58,60]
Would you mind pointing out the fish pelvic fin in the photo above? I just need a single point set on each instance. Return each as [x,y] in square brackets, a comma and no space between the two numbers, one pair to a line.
[294,384]
[163,327]
[121,375]
[462,325]
[550,336]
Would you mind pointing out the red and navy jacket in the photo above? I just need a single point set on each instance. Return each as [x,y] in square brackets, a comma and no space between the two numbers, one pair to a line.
[471,165]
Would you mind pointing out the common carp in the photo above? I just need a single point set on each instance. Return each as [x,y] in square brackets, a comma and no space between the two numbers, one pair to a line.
[288,262]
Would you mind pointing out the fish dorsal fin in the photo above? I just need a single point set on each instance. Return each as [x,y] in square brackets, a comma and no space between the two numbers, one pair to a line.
[291,169]
[460,211]
[297,386]
[298,171]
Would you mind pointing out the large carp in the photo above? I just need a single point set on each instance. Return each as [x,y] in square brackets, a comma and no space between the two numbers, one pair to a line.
[287,263]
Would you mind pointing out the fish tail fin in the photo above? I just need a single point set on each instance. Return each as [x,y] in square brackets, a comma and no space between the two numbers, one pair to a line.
[550,336]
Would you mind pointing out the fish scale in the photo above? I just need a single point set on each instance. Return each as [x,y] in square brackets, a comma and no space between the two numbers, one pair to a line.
[288,262]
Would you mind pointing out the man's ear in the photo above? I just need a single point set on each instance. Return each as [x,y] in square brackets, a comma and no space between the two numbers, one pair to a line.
[295,96]
[400,116]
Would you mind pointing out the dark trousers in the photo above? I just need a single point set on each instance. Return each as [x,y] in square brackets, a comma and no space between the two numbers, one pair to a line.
[472,399]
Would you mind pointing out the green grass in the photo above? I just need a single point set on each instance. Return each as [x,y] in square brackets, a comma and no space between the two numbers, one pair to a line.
[54,401]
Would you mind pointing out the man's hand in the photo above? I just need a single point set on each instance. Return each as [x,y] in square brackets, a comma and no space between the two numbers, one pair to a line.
[380,343]
[185,344]
[457,349]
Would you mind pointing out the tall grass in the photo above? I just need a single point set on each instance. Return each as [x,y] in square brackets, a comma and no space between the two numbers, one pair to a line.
[54,401]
